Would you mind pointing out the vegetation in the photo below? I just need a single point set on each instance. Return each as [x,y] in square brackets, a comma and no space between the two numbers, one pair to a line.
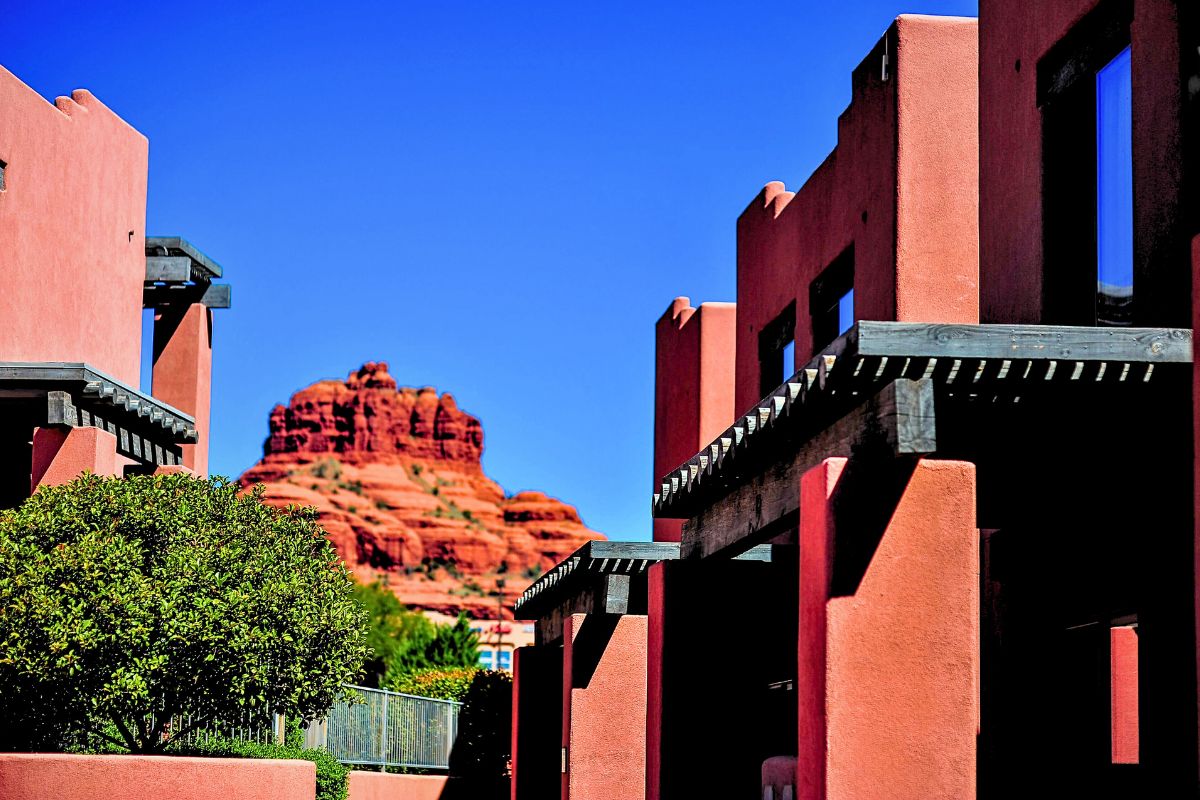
[127,602]
[404,641]
[331,774]
[327,468]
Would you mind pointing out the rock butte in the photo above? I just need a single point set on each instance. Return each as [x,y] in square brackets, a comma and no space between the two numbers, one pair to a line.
[395,473]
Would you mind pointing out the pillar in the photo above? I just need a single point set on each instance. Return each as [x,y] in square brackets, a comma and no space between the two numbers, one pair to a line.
[694,350]
[537,722]
[604,707]
[61,454]
[888,665]
[183,371]
[721,650]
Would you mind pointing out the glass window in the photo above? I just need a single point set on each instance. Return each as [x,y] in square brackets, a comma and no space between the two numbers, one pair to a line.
[831,300]
[485,658]
[845,307]
[505,661]
[789,359]
[1114,191]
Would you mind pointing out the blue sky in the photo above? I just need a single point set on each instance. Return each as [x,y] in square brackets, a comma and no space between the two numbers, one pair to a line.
[498,199]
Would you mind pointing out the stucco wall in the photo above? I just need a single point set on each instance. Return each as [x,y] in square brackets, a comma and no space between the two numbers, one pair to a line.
[43,776]
[384,786]
[72,220]
[693,387]
[888,680]
[604,707]
[901,187]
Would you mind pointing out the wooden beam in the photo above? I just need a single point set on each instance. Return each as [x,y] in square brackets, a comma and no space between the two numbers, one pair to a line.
[898,422]
[168,269]
[1039,342]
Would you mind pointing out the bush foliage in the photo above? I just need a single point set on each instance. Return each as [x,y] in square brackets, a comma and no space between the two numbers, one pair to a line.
[332,775]
[404,641]
[126,602]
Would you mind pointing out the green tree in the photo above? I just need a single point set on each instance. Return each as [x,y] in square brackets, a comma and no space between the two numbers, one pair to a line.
[129,604]
[404,641]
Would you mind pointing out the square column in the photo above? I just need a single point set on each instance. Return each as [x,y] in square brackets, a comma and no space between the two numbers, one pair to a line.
[721,654]
[183,371]
[888,683]
[61,454]
[603,707]
[537,722]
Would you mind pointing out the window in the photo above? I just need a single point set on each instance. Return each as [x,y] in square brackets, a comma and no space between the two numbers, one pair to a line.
[1114,191]
[485,659]
[777,351]
[831,300]
[1085,95]
[505,660]
[3,167]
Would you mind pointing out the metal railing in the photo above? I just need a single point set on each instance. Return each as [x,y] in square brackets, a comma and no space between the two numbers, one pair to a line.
[389,729]
[262,727]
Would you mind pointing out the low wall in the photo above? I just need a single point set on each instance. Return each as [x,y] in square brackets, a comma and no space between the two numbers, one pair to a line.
[55,776]
[384,786]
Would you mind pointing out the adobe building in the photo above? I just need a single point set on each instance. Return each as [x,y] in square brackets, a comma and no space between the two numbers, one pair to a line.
[76,272]
[960,476]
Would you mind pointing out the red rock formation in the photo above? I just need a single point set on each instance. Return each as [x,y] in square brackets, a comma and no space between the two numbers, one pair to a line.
[396,476]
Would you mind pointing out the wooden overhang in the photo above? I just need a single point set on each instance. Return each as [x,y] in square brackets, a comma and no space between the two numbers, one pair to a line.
[148,430]
[178,273]
[876,389]
[600,577]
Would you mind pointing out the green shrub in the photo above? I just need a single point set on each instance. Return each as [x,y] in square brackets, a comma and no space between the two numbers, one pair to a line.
[126,602]
[403,641]
[440,682]
[331,774]
[327,468]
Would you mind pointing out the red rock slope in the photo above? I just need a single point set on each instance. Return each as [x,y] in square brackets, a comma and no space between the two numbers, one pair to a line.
[395,473]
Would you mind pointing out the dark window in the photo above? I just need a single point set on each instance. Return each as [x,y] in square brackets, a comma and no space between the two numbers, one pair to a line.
[1084,91]
[3,167]
[831,300]
[777,351]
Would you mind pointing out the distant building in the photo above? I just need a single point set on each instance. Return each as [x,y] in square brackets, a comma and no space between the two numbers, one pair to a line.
[940,494]
[498,639]
[76,272]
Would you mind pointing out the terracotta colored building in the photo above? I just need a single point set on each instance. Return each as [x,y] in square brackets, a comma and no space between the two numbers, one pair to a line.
[950,509]
[76,272]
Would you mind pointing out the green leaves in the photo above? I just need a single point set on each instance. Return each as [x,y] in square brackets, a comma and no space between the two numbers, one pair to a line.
[169,594]
[402,641]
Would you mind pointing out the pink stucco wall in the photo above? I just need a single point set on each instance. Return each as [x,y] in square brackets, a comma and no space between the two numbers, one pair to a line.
[46,776]
[693,387]
[383,786]
[183,372]
[61,454]
[901,187]
[72,220]
[1123,690]
[604,715]
[888,676]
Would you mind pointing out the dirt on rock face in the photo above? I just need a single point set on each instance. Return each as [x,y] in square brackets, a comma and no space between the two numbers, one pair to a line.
[396,476]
